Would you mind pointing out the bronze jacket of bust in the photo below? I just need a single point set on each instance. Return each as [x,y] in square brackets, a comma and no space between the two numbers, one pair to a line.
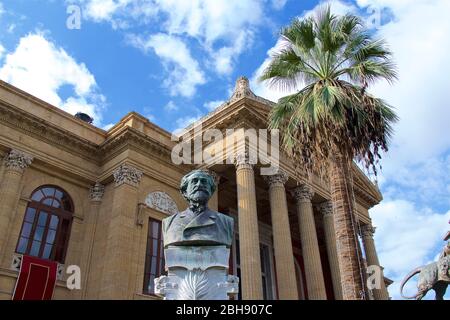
[207,228]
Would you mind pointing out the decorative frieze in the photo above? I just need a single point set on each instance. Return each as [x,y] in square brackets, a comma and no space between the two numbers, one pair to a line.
[96,192]
[161,201]
[127,174]
[303,193]
[17,160]
[279,178]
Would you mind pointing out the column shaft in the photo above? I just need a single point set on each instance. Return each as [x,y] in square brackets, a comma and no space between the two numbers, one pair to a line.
[372,260]
[310,245]
[330,240]
[284,256]
[15,164]
[251,281]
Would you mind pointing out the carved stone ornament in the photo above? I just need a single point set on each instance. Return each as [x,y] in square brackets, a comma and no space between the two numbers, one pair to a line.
[245,160]
[279,178]
[96,192]
[127,174]
[197,273]
[303,193]
[326,208]
[242,90]
[16,264]
[367,231]
[17,160]
[161,201]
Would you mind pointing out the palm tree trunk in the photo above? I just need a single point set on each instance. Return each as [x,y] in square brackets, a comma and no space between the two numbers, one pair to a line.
[350,265]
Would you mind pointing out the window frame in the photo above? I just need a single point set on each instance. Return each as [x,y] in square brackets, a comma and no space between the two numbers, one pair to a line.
[160,259]
[65,219]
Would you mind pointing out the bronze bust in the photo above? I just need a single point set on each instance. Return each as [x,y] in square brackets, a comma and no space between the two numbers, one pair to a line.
[198,225]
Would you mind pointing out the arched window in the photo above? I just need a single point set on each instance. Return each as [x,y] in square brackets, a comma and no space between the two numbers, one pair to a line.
[47,223]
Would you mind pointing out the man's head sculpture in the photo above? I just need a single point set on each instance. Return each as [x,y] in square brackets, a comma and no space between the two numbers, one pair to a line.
[198,225]
[197,186]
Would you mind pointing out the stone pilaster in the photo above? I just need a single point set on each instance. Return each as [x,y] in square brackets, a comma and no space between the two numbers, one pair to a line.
[96,193]
[310,246]
[372,260]
[251,281]
[326,208]
[15,163]
[117,280]
[284,256]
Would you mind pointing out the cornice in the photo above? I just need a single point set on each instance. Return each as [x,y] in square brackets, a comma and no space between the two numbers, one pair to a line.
[45,131]
[129,136]
[47,106]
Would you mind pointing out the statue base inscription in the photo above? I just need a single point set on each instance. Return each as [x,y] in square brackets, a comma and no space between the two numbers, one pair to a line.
[197,273]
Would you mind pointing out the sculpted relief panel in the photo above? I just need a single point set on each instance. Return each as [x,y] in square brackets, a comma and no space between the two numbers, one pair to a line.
[161,201]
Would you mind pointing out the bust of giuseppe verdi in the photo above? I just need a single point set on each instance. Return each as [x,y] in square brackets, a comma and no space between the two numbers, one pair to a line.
[197,225]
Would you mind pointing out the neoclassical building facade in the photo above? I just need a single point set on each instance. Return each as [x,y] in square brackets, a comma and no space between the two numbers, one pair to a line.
[81,196]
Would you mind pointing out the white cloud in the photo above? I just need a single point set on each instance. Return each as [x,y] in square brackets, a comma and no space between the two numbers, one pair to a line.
[407,237]
[11,28]
[224,28]
[184,72]
[171,106]
[212,105]
[108,126]
[101,9]
[226,57]
[278,4]
[2,51]
[184,122]
[41,68]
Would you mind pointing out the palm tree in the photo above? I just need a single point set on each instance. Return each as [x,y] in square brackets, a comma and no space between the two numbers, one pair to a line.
[333,119]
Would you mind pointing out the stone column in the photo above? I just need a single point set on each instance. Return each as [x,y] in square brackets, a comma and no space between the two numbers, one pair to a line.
[15,164]
[96,193]
[284,256]
[326,208]
[251,281]
[117,277]
[372,260]
[310,246]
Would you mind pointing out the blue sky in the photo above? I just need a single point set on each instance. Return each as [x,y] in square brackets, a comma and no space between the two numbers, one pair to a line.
[175,60]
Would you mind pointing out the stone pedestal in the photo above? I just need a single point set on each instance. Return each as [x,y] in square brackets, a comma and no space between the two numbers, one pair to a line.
[197,273]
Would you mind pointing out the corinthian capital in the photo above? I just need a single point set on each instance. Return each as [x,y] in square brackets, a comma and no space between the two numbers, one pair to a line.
[367,231]
[17,160]
[127,174]
[279,178]
[244,160]
[303,193]
[326,208]
[96,192]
